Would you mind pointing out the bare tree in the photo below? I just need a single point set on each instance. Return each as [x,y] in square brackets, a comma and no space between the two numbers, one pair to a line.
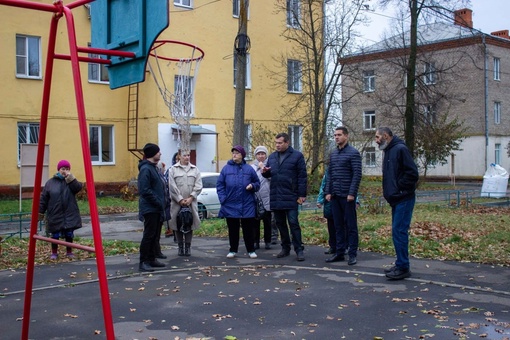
[424,11]
[319,35]
[414,86]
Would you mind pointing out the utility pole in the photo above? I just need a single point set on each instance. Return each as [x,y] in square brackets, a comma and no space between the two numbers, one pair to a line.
[242,45]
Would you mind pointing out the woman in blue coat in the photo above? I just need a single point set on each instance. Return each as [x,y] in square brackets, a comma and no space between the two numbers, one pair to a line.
[236,189]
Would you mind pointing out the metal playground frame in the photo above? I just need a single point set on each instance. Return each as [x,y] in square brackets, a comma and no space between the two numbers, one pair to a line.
[116,53]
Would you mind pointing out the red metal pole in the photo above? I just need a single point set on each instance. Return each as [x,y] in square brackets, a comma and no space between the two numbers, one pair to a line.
[30,5]
[95,50]
[84,59]
[38,175]
[78,3]
[91,191]
[64,243]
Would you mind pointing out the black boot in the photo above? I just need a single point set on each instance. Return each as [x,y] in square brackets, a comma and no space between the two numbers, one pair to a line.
[187,250]
[181,249]
[145,267]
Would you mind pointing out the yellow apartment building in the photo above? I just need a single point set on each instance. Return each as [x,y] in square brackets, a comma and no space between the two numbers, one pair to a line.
[212,26]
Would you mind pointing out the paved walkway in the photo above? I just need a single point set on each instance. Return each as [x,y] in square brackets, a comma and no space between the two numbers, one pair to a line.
[209,296]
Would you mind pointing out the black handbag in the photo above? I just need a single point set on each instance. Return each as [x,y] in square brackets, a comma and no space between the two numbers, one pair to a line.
[185,220]
[260,211]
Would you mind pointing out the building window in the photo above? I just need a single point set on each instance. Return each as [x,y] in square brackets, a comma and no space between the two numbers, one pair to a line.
[183,3]
[405,80]
[28,57]
[236,9]
[294,76]
[247,141]
[429,74]
[369,120]
[28,133]
[101,144]
[183,102]
[429,114]
[98,73]
[370,157]
[368,81]
[496,69]
[293,13]
[247,83]
[497,112]
[497,153]
[295,136]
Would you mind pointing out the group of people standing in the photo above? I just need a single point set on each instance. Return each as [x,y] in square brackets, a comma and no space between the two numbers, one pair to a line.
[339,190]
[166,196]
[278,180]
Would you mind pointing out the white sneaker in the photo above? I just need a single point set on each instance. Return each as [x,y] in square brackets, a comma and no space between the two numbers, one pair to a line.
[231,255]
[252,255]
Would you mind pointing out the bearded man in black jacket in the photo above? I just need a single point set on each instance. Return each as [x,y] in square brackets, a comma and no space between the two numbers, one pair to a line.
[400,176]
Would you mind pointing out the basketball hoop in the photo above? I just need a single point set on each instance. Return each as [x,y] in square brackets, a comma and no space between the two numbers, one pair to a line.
[185,70]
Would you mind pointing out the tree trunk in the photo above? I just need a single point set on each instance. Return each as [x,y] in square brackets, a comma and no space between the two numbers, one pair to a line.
[411,79]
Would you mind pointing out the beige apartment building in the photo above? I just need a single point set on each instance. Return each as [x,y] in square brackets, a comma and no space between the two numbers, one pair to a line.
[461,74]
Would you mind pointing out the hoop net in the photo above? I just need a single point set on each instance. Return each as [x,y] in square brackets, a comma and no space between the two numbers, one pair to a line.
[180,101]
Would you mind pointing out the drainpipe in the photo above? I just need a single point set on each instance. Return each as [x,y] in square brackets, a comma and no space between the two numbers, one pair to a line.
[486,98]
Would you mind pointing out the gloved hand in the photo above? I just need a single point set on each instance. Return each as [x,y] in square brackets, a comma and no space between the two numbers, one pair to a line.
[70,177]
[41,217]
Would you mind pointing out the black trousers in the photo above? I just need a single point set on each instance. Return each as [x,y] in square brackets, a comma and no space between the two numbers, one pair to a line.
[150,239]
[346,225]
[266,220]
[248,226]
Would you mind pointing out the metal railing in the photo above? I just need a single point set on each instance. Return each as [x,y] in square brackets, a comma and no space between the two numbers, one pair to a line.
[16,224]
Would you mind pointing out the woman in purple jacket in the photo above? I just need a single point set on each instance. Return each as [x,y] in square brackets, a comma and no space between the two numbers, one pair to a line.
[236,189]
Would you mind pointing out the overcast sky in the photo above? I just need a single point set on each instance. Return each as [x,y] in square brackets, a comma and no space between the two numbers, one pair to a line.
[488,16]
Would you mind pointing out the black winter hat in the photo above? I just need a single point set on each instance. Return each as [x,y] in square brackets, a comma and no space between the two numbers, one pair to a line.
[150,150]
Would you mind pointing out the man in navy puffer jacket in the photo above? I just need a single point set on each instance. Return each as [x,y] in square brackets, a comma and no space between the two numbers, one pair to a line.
[344,177]
[287,169]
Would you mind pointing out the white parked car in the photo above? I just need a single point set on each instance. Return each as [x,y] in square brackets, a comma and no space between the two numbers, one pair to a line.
[208,202]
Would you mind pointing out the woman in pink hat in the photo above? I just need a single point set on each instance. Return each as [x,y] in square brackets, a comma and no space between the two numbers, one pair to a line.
[58,202]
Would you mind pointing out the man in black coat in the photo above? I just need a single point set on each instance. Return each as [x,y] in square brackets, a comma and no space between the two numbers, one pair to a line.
[341,189]
[151,205]
[287,169]
[400,176]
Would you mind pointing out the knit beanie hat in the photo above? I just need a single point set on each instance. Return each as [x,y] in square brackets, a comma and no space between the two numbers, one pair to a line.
[260,148]
[150,150]
[63,163]
[240,149]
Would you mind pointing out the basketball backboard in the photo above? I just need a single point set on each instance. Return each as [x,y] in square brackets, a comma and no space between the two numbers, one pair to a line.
[127,25]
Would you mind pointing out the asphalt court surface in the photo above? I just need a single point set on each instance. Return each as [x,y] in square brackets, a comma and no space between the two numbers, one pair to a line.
[209,296]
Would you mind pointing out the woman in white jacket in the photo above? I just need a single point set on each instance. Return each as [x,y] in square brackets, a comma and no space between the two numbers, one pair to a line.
[185,185]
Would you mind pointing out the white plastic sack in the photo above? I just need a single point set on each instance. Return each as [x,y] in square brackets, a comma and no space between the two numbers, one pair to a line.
[495,182]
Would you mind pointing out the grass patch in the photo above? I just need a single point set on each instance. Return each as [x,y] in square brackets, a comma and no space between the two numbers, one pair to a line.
[466,233]
[14,251]
[105,205]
